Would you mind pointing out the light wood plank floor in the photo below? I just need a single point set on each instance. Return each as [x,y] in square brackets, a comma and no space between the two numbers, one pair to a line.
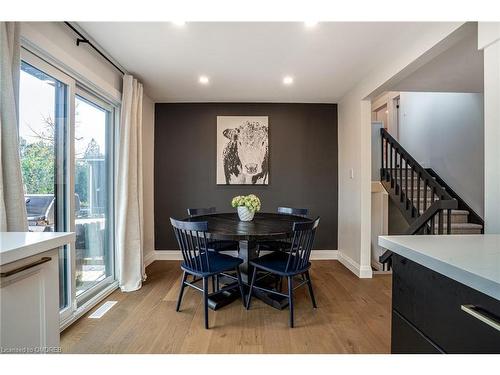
[353,316]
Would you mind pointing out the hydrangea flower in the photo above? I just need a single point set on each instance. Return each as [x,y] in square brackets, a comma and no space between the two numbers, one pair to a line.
[251,201]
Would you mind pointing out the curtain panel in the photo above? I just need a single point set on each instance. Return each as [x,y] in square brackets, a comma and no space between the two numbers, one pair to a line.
[12,203]
[129,194]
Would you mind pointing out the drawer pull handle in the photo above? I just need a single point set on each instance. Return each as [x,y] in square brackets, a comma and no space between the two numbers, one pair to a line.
[25,267]
[482,315]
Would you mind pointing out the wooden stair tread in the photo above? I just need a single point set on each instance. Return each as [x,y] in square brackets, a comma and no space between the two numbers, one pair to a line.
[464,226]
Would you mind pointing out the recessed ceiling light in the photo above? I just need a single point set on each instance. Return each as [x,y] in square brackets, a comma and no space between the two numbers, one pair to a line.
[310,23]
[179,23]
[203,80]
[287,80]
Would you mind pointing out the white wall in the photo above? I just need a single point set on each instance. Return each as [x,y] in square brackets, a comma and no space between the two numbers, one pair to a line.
[354,144]
[148,177]
[57,42]
[445,132]
[379,222]
[489,42]
[387,100]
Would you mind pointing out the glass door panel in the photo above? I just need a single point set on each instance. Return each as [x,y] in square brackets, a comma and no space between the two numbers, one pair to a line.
[93,196]
[42,131]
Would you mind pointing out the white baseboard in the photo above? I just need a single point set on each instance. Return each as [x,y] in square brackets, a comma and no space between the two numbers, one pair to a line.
[324,255]
[176,255]
[168,255]
[149,258]
[363,272]
[349,263]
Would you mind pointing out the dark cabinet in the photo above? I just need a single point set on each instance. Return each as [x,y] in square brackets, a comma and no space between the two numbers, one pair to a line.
[408,339]
[431,313]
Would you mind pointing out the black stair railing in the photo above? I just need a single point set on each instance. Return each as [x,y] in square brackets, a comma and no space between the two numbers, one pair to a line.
[425,204]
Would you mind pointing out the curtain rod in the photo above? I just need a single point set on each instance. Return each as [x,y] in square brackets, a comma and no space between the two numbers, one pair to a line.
[83,39]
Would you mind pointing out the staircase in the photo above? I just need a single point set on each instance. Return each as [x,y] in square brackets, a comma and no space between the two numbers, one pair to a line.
[427,203]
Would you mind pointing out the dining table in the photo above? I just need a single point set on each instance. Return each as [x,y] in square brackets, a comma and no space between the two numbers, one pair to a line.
[263,227]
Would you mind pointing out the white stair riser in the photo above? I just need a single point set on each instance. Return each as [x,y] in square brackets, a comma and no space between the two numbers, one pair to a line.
[455,218]
[461,230]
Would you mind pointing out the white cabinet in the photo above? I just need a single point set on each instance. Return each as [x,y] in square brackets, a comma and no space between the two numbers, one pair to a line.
[29,302]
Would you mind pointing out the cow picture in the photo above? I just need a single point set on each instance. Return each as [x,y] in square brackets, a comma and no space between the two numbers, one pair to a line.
[242,150]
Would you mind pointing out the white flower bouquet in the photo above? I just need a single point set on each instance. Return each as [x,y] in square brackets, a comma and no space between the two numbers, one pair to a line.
[247,206]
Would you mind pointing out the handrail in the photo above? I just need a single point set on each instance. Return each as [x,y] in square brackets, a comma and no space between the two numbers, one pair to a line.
[473,217]
[432,211]
[385,134]
[397,165]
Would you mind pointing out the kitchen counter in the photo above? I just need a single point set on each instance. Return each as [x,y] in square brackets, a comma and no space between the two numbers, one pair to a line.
[19,245]
[445,293]
[473,260]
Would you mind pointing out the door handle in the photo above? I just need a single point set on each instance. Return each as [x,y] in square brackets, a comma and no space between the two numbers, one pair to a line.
[25,267]
[482,315]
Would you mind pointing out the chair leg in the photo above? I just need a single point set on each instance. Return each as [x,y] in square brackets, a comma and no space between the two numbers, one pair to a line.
[213,284]
[205,300]
[181,291]
[251,287]
[279,284]
[290,299]
[240,284]
[217,283]
[311,293]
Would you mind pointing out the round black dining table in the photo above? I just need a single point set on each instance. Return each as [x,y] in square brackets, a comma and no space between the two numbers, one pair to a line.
[264,226]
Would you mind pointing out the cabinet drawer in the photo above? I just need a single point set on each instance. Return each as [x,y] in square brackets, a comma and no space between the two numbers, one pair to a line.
[29,304]
[406,339]
[433,304]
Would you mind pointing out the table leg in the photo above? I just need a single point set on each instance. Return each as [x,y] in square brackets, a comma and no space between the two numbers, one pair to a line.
[248,251]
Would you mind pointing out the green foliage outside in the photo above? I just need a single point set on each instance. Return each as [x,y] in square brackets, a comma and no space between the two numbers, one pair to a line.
[37,166]
[81,181]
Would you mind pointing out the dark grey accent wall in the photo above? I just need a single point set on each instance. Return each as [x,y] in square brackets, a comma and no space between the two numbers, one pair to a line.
[303,158]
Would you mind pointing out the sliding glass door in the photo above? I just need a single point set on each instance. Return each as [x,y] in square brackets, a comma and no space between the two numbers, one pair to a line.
[43,124]
[66,137]
[94,191]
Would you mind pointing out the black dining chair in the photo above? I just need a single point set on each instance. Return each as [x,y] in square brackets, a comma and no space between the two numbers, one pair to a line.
[202,263]
[216,245]
[284,244]
[289,264]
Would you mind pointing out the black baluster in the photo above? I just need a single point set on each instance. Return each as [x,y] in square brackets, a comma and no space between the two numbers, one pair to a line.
[396,187]
[401,177]
[412,194]
[386,161]
[433,192]
[425,194]
[382,169]
[440,221]
[418,194]
[390,167]
[448,222]
[406,184]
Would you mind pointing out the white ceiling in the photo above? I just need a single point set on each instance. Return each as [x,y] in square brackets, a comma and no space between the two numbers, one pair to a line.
[247,61]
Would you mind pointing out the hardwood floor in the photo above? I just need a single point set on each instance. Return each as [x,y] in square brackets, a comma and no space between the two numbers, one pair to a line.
[353,316]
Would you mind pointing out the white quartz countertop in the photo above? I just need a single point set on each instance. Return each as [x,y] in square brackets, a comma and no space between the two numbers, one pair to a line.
[473,260]
[18,245]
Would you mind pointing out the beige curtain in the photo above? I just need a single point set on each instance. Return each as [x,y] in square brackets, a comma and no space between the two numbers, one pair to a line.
[12,204]
[129,212]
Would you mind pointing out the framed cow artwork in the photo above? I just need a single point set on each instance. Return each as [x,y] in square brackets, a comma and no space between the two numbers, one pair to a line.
[242,150]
